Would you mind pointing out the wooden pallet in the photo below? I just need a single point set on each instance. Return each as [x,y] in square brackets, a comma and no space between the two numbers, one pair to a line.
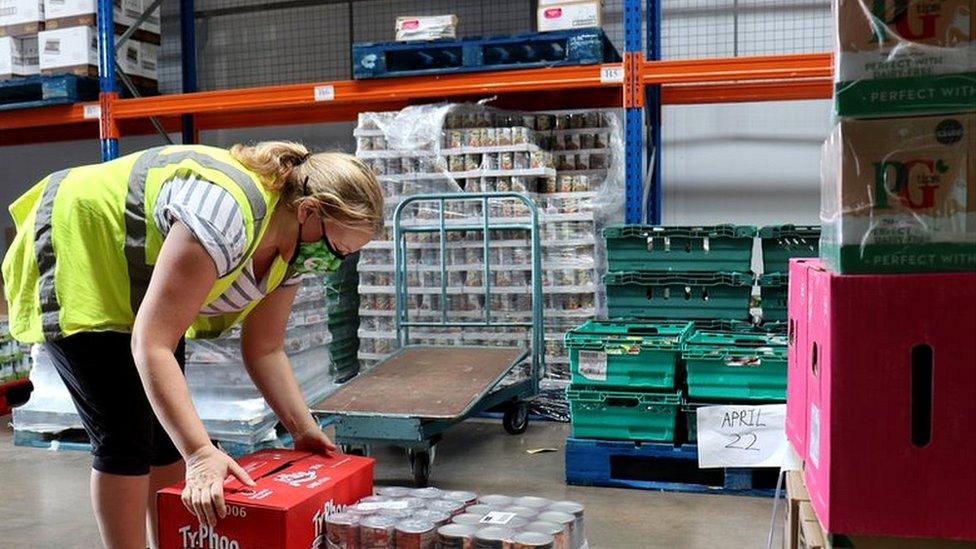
[521,51]
[657,466]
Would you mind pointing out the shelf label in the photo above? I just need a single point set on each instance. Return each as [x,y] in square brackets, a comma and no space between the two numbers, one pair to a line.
[742,436]
[611,75]
[324,93]
[92,111]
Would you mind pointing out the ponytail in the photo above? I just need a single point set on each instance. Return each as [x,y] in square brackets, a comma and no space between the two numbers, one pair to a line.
[341,186]
[272,160]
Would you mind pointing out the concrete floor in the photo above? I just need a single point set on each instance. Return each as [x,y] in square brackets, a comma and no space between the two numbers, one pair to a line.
[44,494]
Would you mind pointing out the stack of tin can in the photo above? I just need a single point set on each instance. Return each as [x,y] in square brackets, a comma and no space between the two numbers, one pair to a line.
[429,518]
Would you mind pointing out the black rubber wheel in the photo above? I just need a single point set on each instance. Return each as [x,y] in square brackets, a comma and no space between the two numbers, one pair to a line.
[353,450]
[516,418]
[420,467]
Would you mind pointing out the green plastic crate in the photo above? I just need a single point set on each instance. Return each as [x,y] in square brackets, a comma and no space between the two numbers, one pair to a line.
[623,415]
[656,248]
[724,325]
[690,410]
[684,296]
[740,366]
[622,354]
[782,242]
[774,292]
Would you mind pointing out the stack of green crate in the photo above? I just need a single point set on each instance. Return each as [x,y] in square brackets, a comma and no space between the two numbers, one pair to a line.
[342,302]
[780,243]
[626,379]
[732,367]
[679,272]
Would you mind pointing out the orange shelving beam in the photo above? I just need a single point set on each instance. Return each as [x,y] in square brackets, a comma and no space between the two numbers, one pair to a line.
[684,81]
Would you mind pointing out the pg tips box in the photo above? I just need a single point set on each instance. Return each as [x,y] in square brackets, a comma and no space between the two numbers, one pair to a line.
[905,56]
[899,195]
[287,508]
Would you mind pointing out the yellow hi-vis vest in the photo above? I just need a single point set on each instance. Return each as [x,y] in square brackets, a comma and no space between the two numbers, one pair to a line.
[87,242]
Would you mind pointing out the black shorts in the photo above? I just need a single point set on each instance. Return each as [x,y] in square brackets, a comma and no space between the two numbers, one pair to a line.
[101,376]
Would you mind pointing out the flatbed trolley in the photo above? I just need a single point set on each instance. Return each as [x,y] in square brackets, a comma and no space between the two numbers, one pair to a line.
[411,397]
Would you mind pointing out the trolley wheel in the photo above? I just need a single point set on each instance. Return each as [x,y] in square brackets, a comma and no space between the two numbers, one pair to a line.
[516,418]
[354,450]
[420,466]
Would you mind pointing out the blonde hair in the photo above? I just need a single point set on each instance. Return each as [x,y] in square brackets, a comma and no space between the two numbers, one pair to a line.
[342,186]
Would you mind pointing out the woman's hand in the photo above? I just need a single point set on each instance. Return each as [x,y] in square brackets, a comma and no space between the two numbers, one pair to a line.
[203,494]
[314,440]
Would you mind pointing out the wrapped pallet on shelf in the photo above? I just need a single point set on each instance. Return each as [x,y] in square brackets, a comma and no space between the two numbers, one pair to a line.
[473,148]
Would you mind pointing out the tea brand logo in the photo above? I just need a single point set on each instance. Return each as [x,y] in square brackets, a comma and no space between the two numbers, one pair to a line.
[297,479]
[924,175]
[910,23]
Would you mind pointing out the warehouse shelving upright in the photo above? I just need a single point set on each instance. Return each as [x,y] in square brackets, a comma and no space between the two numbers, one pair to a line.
[641,84]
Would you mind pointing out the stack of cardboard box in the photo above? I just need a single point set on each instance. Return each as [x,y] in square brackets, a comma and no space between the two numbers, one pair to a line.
[69,43]
[20,21]
[880,362]
[59,37]
[899,170]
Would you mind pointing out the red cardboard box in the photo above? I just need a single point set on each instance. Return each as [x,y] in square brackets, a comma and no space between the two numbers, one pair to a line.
[796,373]
[891,392]
[295,492]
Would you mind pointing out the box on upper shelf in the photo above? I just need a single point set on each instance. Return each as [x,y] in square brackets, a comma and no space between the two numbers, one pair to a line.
[898,57]
[18,57]
[59,14]
[555,16]
[74,50]
[899,195]
[411,28]
[21,17]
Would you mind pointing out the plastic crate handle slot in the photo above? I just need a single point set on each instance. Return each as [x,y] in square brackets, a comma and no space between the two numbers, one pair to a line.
[622,402]
[643,330]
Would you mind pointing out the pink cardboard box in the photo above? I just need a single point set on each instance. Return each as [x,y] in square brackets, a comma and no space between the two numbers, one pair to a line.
[796,375]
[891,391]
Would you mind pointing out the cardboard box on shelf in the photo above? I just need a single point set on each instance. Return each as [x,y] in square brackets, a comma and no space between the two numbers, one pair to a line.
[425,27]
[287,508]
[21,17]
[904,57]
[18,57]
[77,13]
[74,50]
[899,195]
[809,533]
[69,50]
[890,379]
[569,15]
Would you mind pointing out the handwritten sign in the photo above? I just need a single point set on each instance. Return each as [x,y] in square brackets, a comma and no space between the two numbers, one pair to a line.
[742,436]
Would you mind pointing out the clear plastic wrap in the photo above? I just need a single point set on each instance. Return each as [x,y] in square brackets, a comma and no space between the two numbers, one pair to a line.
[231,407]
[902,57]
[899,195]
[50,409]
[481,149]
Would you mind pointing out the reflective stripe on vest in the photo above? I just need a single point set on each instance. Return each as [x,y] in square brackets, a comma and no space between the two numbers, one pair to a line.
[44,252]
[135,223]
[135,211]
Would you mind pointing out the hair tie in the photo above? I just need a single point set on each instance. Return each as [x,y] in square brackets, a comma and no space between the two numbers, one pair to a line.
[301,159]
